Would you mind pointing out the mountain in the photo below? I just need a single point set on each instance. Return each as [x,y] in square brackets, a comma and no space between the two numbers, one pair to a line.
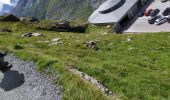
[7,5]
[56,9]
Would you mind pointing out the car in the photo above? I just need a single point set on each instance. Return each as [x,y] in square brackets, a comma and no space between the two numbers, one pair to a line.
[141,13]
[164,1]
[166,12]
[153,19]
[154,12]
[147,12]
[168,17]
[161,21]
[160,18]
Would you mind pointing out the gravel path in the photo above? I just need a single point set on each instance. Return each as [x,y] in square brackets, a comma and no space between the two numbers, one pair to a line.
[22,82]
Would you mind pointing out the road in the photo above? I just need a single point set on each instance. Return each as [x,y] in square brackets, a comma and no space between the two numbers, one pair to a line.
[22,82]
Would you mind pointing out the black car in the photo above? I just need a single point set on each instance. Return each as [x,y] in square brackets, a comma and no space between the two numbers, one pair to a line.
[154,12]
[153,19]
[166,12]
[141,13]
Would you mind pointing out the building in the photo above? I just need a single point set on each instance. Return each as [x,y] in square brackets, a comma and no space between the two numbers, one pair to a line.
[117,12]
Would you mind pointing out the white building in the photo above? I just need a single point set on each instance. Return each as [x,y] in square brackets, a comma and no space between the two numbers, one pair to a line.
[115,12]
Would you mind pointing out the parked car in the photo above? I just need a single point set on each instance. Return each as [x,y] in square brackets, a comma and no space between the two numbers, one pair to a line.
[166,12]
[140,14]
[161,21]
[154,12]
[147,12]
[153,19]
[168,17]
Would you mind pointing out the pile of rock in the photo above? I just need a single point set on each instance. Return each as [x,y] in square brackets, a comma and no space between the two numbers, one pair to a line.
[63,26]
[54,41]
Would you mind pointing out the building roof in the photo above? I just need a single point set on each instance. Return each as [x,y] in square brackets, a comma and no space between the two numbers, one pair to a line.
[111,11]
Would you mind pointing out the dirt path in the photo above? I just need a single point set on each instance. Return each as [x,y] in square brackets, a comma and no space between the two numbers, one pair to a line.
[22,82]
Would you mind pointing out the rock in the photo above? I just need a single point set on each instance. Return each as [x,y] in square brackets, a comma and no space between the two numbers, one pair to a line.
[56,39]
[105,33]
[108,26]
[9,18]
[29,19]
[92,80]
[91,44]
[128,39]
[43,41]
[55,43]
[5,30]
[37,34]
[29,34]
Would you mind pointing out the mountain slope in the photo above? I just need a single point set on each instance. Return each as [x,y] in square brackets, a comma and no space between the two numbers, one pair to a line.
[56,9]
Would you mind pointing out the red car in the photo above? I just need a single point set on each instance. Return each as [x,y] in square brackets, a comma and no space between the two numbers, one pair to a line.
[147,12]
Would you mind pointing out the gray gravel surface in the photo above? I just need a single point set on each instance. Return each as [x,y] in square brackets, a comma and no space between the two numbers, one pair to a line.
[22,82]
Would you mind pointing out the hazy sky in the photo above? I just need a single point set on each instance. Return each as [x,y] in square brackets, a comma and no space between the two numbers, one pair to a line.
[5,1]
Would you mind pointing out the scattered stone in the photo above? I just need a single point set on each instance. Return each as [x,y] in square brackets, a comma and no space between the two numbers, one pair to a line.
[94,25]
[110,44]
[56,39]
[55,43]
[128,39]
[28,45]
[91,44]
[92,80]
[43,41]
[108,26]
[9,18]
[105,33]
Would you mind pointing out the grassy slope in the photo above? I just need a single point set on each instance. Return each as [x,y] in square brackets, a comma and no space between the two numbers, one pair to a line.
[139,69]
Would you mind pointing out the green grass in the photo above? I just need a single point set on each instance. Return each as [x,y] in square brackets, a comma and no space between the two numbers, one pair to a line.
[135,70]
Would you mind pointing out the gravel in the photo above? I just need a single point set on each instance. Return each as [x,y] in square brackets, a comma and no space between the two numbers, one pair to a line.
[22,82]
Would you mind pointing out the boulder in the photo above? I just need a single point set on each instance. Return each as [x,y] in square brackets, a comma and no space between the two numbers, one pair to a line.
[9,18]
[29,34]
[91,44]
[29,19]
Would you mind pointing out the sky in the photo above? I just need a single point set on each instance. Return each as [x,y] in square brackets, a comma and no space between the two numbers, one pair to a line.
[5,1]
[2,2]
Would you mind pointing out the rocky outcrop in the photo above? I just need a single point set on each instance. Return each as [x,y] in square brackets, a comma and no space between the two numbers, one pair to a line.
[9,18]
[56,9]
[29,19]
[63,26]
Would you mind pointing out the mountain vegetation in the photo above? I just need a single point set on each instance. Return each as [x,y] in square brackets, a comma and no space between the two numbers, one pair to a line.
[56,9]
